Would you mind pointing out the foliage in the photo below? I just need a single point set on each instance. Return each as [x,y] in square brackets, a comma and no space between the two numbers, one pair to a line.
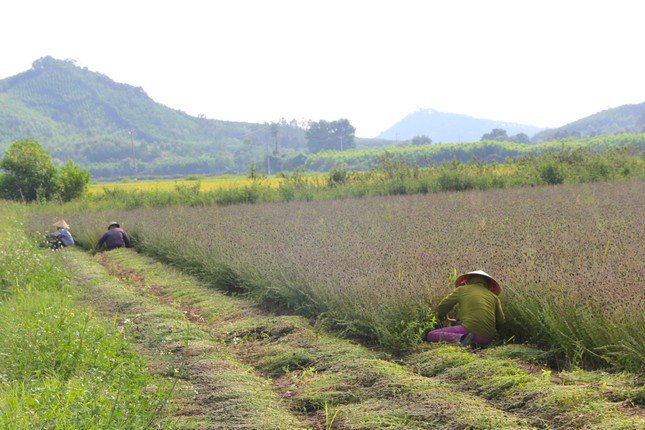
[31,175]
[420,140]
[89,118]
[487,151]
[85,116]
[500,135]
[73,181]
[335,135]
[29,172]
[623,119]
[497,134]
[393,175]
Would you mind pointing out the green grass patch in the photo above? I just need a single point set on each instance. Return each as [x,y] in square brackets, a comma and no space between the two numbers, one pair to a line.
[61,366]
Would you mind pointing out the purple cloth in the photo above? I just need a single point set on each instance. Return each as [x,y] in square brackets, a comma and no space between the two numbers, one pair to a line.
[114,238]
[454,334]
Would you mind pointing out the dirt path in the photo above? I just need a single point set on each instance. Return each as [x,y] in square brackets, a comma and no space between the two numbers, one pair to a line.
[238,363]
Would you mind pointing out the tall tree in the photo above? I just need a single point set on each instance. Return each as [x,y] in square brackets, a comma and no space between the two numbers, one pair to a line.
[421,140]
[498,134]
[520,138]
[335,135]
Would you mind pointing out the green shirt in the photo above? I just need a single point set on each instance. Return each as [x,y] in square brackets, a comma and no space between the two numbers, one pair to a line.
[480,310]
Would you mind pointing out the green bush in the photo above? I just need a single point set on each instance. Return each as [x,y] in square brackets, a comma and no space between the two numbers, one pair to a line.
[30,174]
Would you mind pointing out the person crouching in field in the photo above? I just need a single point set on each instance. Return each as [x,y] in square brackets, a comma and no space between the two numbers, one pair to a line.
[61,237]
[114,237]
[480,311]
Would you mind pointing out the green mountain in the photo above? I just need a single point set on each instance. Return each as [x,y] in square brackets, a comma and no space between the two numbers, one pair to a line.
[83,115]
[117,130]
[623,119]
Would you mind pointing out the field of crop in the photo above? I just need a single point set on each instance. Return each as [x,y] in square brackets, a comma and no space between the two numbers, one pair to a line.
[394,176]
[202,183]
[570,259]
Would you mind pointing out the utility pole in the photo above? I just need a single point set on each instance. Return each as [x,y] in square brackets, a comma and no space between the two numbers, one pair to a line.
[275,130]
[268,159]
[134,157]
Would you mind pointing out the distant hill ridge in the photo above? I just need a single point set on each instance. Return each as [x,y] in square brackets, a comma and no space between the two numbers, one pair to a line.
[86,116]
[117,130]
[450,127]
[63,97]
[444,127]
[622,119]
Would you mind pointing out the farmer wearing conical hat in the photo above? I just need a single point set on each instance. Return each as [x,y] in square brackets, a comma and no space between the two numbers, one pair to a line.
[114,237]
[62,235]
[480,311]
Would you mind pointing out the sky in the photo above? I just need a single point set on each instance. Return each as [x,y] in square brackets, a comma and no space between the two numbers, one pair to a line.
[543,63]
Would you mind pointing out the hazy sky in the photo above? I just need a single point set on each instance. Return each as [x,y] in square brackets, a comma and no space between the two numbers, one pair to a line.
[544,63]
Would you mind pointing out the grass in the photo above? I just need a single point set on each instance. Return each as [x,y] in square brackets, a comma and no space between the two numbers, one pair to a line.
[317,370]
[321,378]
[375,268]
[61,366]
[216,390]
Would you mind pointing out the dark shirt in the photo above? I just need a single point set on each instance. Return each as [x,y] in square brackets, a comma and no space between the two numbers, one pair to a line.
[114,238]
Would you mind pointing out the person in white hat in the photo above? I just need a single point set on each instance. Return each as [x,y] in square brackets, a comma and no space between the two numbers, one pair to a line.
[480,311]
[62,235]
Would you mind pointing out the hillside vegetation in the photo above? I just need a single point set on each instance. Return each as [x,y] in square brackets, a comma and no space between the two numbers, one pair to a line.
[623,119]
[88,117]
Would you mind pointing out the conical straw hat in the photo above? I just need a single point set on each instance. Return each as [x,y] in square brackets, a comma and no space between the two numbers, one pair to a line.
[494,285]
[61,224]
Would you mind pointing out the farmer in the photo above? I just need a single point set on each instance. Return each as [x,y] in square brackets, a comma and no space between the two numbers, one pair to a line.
[62,236]
[480,311]
[114,237]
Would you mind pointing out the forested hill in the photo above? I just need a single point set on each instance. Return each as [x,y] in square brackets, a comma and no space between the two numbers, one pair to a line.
[450,127]
[623,119]
[79,114]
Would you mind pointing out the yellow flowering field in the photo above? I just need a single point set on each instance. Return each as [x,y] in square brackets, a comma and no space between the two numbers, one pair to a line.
[205,184]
